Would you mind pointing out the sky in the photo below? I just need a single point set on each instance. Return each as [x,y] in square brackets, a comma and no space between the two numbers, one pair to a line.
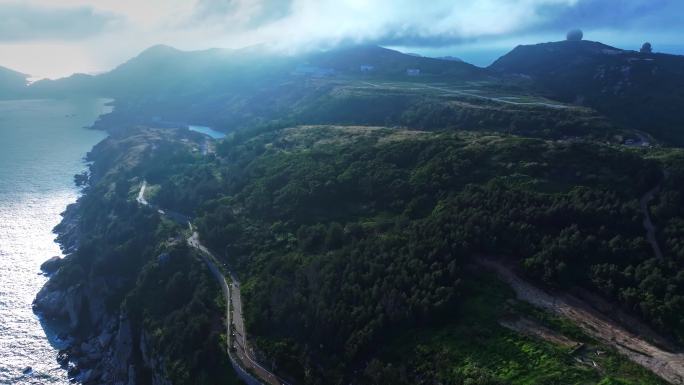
[55,38]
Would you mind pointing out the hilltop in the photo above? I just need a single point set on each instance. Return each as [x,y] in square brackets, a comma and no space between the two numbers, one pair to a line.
[232,89]
[162,69]
[644,91]
[12,83]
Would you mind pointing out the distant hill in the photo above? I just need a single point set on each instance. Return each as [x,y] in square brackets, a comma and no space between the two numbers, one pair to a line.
[389,62]
[12,83]
[166,86]
[161,71]
[450,58]
[231,88]
[638,90]
[77,84]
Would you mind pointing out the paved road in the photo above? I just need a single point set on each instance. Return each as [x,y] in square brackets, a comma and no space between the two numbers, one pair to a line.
[668,365]
[234,317]
[238,340]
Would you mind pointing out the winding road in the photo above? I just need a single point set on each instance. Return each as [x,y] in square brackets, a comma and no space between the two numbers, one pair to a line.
[235,325]
[668,365]
[239,352]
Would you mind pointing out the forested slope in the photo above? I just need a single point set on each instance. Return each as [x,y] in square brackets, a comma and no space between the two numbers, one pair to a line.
[355,209]
[346,236]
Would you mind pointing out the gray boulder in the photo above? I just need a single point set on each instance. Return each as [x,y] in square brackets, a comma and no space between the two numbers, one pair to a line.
[52,265]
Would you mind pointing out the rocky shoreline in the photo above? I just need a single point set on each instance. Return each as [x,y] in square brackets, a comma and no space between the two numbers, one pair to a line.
[101,346]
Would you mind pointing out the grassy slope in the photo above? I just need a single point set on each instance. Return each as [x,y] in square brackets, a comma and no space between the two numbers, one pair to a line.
[475,345]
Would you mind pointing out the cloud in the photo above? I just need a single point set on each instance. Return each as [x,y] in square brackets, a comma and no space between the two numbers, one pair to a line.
[236,14]
[391,20]
[292,23]
[617,14]
[23,22]
[100,34]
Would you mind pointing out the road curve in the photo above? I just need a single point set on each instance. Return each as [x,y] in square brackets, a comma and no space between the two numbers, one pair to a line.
[238,349]
[235,325]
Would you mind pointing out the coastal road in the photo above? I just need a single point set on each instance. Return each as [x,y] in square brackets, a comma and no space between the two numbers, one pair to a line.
[235,324]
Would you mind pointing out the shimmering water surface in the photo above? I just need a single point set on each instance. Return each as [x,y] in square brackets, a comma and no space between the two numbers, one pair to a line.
[42,145]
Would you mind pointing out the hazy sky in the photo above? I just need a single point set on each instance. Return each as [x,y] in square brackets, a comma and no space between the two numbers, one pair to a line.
[51,38]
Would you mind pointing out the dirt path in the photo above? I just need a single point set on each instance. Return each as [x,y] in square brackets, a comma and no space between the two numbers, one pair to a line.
[141,195]
[450,91]
[532,328]
[667,365]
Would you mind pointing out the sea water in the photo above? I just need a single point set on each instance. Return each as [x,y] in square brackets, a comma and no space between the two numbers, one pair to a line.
[42,146]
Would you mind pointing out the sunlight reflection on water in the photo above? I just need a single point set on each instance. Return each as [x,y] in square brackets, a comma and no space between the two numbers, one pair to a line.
[42,144]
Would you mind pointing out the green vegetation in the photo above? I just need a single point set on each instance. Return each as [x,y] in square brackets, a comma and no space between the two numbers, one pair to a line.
[635,90]
[346,235]
[475,349]
[137,264]
[355,241]
[179,306]
[353,208]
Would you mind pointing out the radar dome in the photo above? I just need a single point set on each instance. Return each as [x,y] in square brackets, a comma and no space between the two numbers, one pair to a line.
[575,35]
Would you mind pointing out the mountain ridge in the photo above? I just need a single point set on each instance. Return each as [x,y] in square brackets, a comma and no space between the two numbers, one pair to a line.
[12,82]
[638,90]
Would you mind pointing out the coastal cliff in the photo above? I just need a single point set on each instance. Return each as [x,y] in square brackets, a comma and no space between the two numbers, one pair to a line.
[122,309]
[102,344]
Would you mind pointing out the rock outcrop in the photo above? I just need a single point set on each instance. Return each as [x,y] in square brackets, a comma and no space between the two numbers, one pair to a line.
[52,265]
[104,346]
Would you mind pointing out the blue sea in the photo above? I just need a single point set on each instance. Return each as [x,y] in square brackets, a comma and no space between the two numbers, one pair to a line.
[42,146]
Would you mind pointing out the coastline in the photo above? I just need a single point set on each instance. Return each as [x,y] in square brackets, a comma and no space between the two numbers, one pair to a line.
[44,145]
[87,352]
[59,310]
[104,342]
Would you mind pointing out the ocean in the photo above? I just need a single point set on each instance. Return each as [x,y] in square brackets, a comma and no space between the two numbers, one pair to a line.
[42,146]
